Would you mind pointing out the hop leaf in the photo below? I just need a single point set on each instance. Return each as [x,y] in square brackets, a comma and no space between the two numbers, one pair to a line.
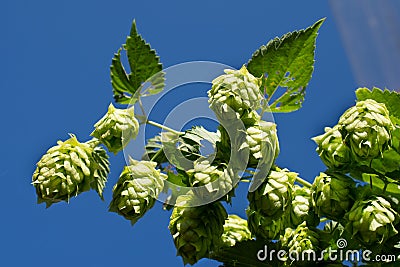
[136,190]
[273,196]
[372,220]
[331,148]
[197,230]
[116,128]
[331,195]
[68,169]
[366,129]
[236,88]
[235,230]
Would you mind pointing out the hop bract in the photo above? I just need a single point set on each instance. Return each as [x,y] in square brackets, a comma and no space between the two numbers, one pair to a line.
[235,230]
[366,129]
[273,196]
[68,169]
[331,195]
[372,220]
[238,89]
[197,230]
[203,173]
[116,128]
[136,190]
[331,148]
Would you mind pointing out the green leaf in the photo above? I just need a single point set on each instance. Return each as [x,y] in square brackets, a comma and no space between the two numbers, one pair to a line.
[101,170]
[391,99]
[144,64]
[286,62]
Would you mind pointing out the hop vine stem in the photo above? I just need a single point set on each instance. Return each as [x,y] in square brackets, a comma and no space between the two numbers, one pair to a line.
[303,182]
[163,127]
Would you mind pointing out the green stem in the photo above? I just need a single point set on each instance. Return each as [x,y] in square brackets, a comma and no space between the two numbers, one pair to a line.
[303,182]
[163,127]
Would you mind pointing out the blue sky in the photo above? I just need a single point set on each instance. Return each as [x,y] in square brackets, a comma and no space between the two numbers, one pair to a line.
[55,80]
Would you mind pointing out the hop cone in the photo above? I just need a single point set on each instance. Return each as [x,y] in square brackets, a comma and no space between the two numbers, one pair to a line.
[331,148]
[300,239]
[265,227]
[273,196]
[366,129]
[116,128]
[203,173]
[136,190]
[238,89]
[301,207]
[235,230]
[68,169]
[372,220]
[331,195]
[263,143]
[197,230]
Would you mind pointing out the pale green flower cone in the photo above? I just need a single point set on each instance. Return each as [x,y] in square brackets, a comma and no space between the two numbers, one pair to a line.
[116,128]
[300,239]
[301,207]
[136,190]
[262,141]
[366,128]
[197,231]
[239,89]
[332,150]
[235,230]
[273,196]
[331,195]
[265,227]
[68,169]
[372,220]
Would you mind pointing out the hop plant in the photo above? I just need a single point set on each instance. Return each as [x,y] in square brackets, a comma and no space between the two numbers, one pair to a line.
[331,195]
[263,143]
[68,169]
[265,227]
[116,128]
[366,129]
[238,89]
[301,207]
[372,220]
[197,231]
[137,189]
[331,148]
[235,230]
[301,239]
[273,196]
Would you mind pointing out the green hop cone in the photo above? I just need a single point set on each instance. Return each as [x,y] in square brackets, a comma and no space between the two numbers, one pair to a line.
[68,169]
[331,195]
[136,190]
[273,196]
[331,149]
[301,239]
[235,230]
[372,220]
[116,128]
[239,89]
[366,129]
[197,231]
[203,173]
[263,143]
[265,227]
[301,207]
